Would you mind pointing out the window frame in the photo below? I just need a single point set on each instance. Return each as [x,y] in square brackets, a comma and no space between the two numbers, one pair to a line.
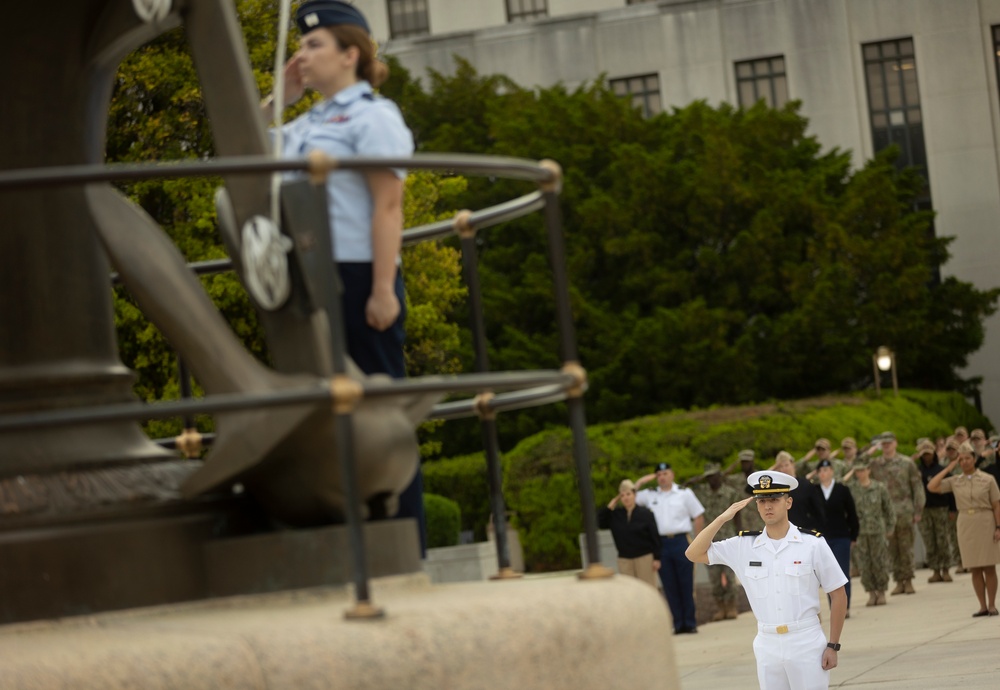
[523,14]
[648,110]
[771,76]
[420,27]
[895,110]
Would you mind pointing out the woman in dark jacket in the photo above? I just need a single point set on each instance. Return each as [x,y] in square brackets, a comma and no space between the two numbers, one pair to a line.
[634,531]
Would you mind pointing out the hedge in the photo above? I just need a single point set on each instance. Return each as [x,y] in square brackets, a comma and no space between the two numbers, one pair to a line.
[463,480]
[444,520]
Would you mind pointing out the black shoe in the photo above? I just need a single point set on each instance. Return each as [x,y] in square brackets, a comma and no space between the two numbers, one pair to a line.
[684,631]
[982,613]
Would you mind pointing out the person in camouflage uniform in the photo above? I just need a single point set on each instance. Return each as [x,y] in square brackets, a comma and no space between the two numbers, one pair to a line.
[876,518]
[902,478]
[749,516]
[934,524]
[716,495]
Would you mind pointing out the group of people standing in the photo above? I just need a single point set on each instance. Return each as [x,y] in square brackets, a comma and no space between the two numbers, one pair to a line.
[824,510]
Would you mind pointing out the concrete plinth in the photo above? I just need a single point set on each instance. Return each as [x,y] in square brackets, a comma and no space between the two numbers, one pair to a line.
[544,634]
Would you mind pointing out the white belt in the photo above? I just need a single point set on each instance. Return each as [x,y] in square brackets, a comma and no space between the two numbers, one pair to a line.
[789,627]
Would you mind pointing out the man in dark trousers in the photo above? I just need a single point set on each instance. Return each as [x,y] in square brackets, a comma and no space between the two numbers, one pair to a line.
[840,526]
[678,512]
[806,511]
[934,527]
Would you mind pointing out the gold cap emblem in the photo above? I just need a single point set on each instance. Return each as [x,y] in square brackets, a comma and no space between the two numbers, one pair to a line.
[765,481]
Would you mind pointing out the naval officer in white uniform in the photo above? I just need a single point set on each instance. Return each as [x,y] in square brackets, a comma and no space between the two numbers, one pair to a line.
[782,569]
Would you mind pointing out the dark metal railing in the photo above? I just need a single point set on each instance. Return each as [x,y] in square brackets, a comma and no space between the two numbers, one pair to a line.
[496,391]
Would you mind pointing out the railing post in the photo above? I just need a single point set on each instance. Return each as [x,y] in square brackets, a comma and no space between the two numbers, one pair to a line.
[487,417]
[347,393]
[571,365]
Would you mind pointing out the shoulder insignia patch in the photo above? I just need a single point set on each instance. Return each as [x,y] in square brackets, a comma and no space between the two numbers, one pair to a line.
[812,532]
[750,532]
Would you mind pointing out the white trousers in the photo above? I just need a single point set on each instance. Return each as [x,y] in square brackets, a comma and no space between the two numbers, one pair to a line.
[792,661]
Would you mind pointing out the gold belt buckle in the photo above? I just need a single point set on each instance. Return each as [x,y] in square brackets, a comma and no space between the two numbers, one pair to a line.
[972,511]
[781,629]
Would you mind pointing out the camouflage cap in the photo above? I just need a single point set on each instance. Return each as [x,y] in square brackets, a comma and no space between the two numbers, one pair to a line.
[712,468]
[746,455]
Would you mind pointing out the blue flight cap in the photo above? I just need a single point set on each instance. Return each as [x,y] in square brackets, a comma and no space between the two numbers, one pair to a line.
[316,13]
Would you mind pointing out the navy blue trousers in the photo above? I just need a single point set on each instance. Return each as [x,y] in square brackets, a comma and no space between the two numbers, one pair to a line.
[677,576]
[841,547]
[380,352]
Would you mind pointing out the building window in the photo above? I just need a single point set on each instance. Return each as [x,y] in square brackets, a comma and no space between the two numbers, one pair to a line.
[894,100]
[762,79]
[526,10]
[643,90]
[408,18]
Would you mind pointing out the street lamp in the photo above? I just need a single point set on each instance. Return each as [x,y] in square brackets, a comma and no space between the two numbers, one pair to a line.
[884,359]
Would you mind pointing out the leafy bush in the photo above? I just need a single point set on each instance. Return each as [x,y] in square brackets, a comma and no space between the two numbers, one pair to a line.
[444,519]
[464,480]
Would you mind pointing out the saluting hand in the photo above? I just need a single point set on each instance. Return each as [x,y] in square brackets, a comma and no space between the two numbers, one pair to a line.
[735,508]
[645,478]
[293,80]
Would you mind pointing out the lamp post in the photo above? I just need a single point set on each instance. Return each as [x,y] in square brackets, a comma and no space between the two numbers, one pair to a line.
[884,359]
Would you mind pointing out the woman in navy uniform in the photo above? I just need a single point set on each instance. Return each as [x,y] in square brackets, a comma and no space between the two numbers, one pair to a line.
[336,58]
[977,498]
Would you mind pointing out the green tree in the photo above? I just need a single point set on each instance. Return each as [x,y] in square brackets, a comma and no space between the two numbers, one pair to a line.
[716,254]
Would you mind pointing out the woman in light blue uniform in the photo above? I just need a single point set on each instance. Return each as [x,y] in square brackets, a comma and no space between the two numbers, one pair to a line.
[336,58]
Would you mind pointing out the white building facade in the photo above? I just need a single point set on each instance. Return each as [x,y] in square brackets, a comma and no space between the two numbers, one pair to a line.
[919,73]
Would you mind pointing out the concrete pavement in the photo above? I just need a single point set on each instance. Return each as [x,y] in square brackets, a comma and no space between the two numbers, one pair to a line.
[923,640]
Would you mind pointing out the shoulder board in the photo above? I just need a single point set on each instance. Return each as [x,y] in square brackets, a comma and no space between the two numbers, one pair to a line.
[750,532]
[811,531]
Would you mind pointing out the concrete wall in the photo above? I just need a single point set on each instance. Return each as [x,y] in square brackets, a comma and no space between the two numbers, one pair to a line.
[692,47]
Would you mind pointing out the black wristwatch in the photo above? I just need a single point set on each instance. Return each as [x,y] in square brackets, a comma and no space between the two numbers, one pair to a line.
[835,646]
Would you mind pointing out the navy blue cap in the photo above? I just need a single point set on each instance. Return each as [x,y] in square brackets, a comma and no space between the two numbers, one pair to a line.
[662,466]
[316,13]
[824,463]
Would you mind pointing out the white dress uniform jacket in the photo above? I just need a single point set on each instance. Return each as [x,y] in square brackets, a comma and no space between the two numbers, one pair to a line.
[674,509]
[782,580]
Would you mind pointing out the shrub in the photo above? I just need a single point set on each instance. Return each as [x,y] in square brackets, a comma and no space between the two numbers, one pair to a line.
[444,520]
[463,480]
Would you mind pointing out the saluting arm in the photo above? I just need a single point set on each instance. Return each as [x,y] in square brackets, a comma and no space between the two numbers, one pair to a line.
[644,479]
[697,550]
[934,485]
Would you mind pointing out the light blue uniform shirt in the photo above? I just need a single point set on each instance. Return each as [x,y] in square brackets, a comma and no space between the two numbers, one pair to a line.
[355,122]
